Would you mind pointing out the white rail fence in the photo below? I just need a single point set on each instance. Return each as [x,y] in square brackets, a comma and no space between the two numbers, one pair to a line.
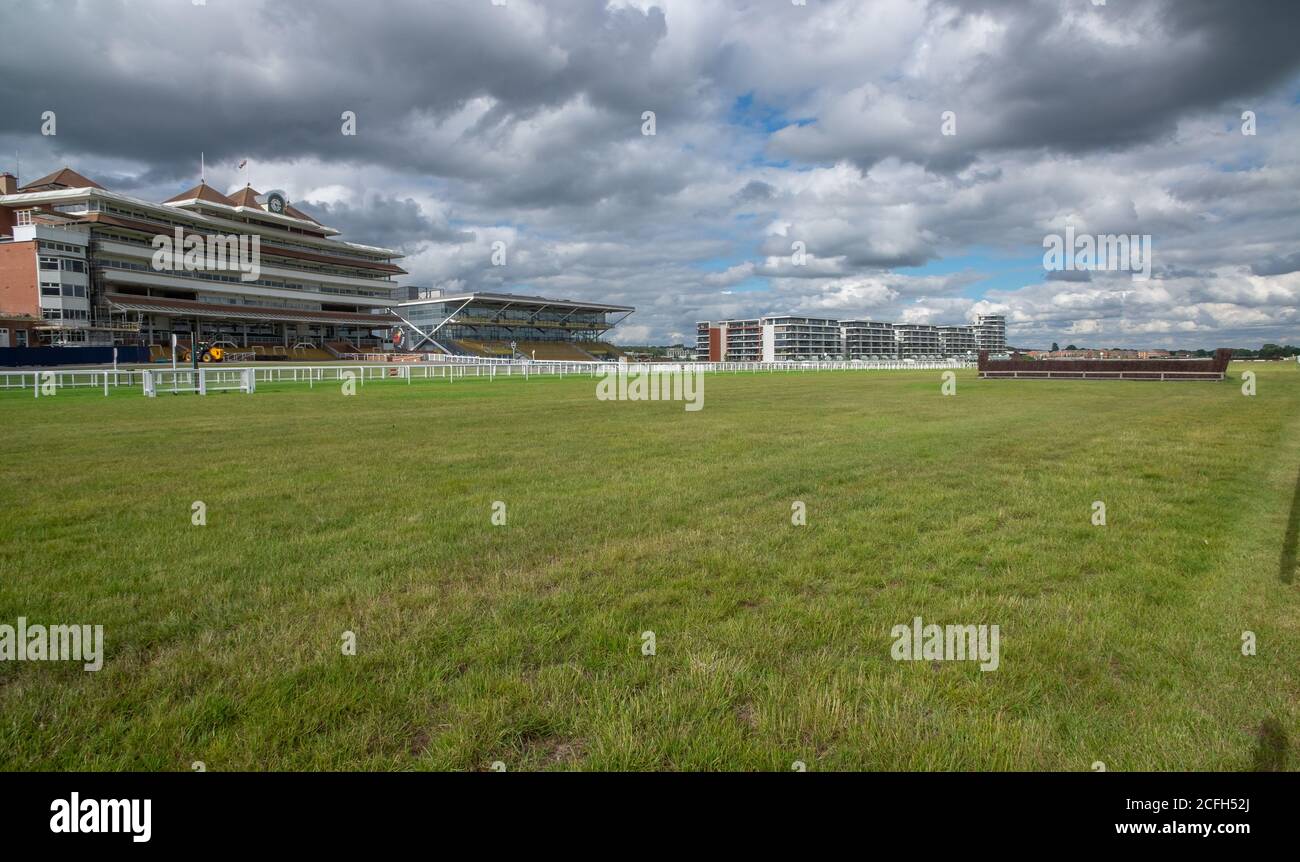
[199,382]
[245,379]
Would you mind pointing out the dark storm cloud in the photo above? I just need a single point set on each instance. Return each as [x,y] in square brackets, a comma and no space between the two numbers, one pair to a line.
[386,222]
[755,191]
[1277,265]
[1071,78]
[158,82]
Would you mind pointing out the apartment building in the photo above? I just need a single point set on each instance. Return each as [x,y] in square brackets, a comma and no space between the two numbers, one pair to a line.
[918,341]
[800,338]
[991,331]
[959,340]
[781,338]
[729,341]
[868,339]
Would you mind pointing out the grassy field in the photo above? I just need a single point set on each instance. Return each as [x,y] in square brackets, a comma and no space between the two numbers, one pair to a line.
[522,643]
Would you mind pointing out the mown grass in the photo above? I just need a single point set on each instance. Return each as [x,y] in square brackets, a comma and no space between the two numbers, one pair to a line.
[522,643]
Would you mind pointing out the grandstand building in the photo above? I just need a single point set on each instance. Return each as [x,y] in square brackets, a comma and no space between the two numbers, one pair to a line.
[77,263]
[780,338]
[507,325]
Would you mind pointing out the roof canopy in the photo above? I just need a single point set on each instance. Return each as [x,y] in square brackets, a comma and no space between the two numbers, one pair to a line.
[515,299]
[202,192]
[64,178]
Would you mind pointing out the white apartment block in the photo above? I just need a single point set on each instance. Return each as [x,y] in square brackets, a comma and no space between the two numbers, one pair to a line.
[795,338]
[992,331]
[729,341]
[783,338]
[959,340]
[868,339]
[918,341]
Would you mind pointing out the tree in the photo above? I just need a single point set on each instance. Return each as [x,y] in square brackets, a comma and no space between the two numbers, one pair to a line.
[1055,347]
[1070,347]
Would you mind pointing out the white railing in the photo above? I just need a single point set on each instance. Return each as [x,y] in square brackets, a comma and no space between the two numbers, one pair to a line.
[156,380]
[47,381]
[199,381]
[384,357]
[457,359]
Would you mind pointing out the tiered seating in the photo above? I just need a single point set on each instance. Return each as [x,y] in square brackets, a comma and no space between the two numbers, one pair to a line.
[497,349]
[312,354]
[275,352]
[554,350]
[342,347]
[455,348]
[601,350]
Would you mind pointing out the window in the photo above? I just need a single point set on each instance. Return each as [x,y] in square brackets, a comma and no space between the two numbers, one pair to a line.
[21,335]
[70,265]
[74,290]
[49,289]
[49,263]
[51,313]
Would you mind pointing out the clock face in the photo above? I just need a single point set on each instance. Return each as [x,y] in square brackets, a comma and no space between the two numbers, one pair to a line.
[275,204]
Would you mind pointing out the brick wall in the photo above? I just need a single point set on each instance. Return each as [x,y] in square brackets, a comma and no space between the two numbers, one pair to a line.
[18,292]
[1218,364]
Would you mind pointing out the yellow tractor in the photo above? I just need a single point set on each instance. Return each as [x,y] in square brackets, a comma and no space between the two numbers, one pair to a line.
[211,353]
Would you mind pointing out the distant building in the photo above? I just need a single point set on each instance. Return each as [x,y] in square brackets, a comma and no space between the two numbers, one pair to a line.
[792,338]
[1096,353]
[779,338]
[918,341]
[991,331]
[729,341]
[505,325]
[868,339]
[960,339]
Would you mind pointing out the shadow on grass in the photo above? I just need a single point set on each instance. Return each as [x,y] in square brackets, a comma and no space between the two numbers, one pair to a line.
[1271,750]
[1286,566]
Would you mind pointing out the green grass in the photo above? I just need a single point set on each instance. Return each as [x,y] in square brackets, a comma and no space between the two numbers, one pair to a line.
[522,644]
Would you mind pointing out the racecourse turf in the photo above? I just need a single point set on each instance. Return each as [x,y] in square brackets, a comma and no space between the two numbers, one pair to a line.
[523,643]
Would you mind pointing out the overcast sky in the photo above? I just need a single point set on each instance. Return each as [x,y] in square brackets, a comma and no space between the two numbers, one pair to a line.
[775,124]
